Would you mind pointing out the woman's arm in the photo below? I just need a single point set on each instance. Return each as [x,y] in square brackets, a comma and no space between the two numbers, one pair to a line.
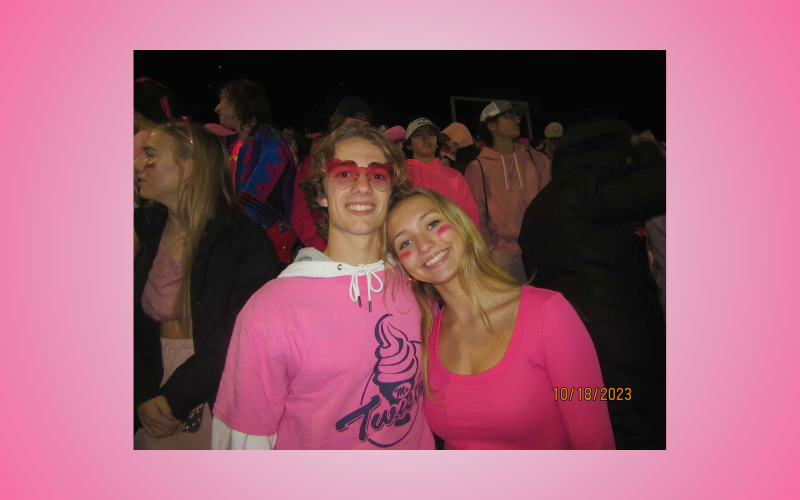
[571,362]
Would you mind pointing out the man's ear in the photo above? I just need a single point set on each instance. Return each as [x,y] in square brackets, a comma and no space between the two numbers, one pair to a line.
[322,200]
[186,168]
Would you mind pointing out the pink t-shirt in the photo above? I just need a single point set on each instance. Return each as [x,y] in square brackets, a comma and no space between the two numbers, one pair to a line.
[307,363]
[513,405]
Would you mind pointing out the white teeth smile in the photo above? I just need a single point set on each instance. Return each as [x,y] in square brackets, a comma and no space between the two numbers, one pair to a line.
[436,258]
[361,208]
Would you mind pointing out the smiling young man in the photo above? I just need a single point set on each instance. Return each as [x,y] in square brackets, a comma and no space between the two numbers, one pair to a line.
[321,359]
[427,171]
[504,179]
[350,112]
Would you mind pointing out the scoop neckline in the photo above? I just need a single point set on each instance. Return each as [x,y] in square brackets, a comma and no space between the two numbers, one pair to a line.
[496,370]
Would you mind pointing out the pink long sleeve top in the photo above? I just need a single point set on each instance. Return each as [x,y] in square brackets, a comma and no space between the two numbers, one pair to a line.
[513,405]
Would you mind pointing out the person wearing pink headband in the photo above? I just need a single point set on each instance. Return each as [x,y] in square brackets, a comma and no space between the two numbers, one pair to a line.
[152,106]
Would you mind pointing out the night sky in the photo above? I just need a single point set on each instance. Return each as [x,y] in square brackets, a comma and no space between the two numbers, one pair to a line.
[303,87]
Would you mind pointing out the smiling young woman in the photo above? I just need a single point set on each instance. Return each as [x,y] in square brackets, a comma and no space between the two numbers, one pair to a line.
[492,355]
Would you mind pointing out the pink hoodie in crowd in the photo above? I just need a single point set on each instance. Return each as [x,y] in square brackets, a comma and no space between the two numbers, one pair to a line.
[310,362]
[444,180]
[509,182]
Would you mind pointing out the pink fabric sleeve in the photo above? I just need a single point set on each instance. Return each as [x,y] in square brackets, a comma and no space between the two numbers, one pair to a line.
[571,361]
[302,217]
[255,382]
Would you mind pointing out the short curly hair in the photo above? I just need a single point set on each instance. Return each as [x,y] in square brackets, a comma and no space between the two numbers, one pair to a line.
[248,101]
[314,185]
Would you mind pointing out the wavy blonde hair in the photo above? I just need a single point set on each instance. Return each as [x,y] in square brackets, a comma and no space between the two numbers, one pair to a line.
[476,269]
[207,192]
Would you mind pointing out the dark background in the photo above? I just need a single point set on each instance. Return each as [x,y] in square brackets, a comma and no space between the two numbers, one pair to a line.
[303,87]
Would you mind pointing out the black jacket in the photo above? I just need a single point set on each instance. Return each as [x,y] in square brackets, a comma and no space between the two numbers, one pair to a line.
[578,237]
[235,259]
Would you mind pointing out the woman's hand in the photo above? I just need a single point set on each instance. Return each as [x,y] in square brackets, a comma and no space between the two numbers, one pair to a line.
[156,418]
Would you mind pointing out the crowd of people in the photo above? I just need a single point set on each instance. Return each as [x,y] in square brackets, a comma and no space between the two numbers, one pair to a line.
[413,287]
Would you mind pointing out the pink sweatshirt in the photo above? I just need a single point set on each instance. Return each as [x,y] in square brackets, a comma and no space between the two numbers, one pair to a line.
[444,180]
[504,190]
[513,405]
[310,364]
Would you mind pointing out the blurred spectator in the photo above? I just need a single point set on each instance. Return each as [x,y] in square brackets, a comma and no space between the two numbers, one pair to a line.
[289,136]
[152,105]
[350,111]
[576,238]
[261,162]
[504,178]
[552,135]
[427,171]
[657,243]
[396,134]
[458,147]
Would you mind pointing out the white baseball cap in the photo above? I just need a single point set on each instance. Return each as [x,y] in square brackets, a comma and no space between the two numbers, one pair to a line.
[554,129]
[500,107]
[416,124]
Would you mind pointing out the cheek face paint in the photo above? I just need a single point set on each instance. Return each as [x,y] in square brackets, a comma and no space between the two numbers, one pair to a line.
[443,229]
[405,255]
[150,165]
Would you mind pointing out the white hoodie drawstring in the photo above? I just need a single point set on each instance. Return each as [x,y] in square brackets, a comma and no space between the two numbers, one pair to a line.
[505,174]
[355,292]
[518,174]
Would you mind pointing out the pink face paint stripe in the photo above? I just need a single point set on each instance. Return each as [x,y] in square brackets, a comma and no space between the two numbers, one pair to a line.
[405,255]
[442,229]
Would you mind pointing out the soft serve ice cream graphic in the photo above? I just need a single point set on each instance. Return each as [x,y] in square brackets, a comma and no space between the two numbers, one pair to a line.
[390,401]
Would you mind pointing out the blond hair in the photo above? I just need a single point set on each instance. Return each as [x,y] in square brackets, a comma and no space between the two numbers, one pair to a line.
[208,191]
[476,268]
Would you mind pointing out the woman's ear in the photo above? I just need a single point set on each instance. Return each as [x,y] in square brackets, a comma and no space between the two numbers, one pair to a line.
[322,200]
[186,169]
